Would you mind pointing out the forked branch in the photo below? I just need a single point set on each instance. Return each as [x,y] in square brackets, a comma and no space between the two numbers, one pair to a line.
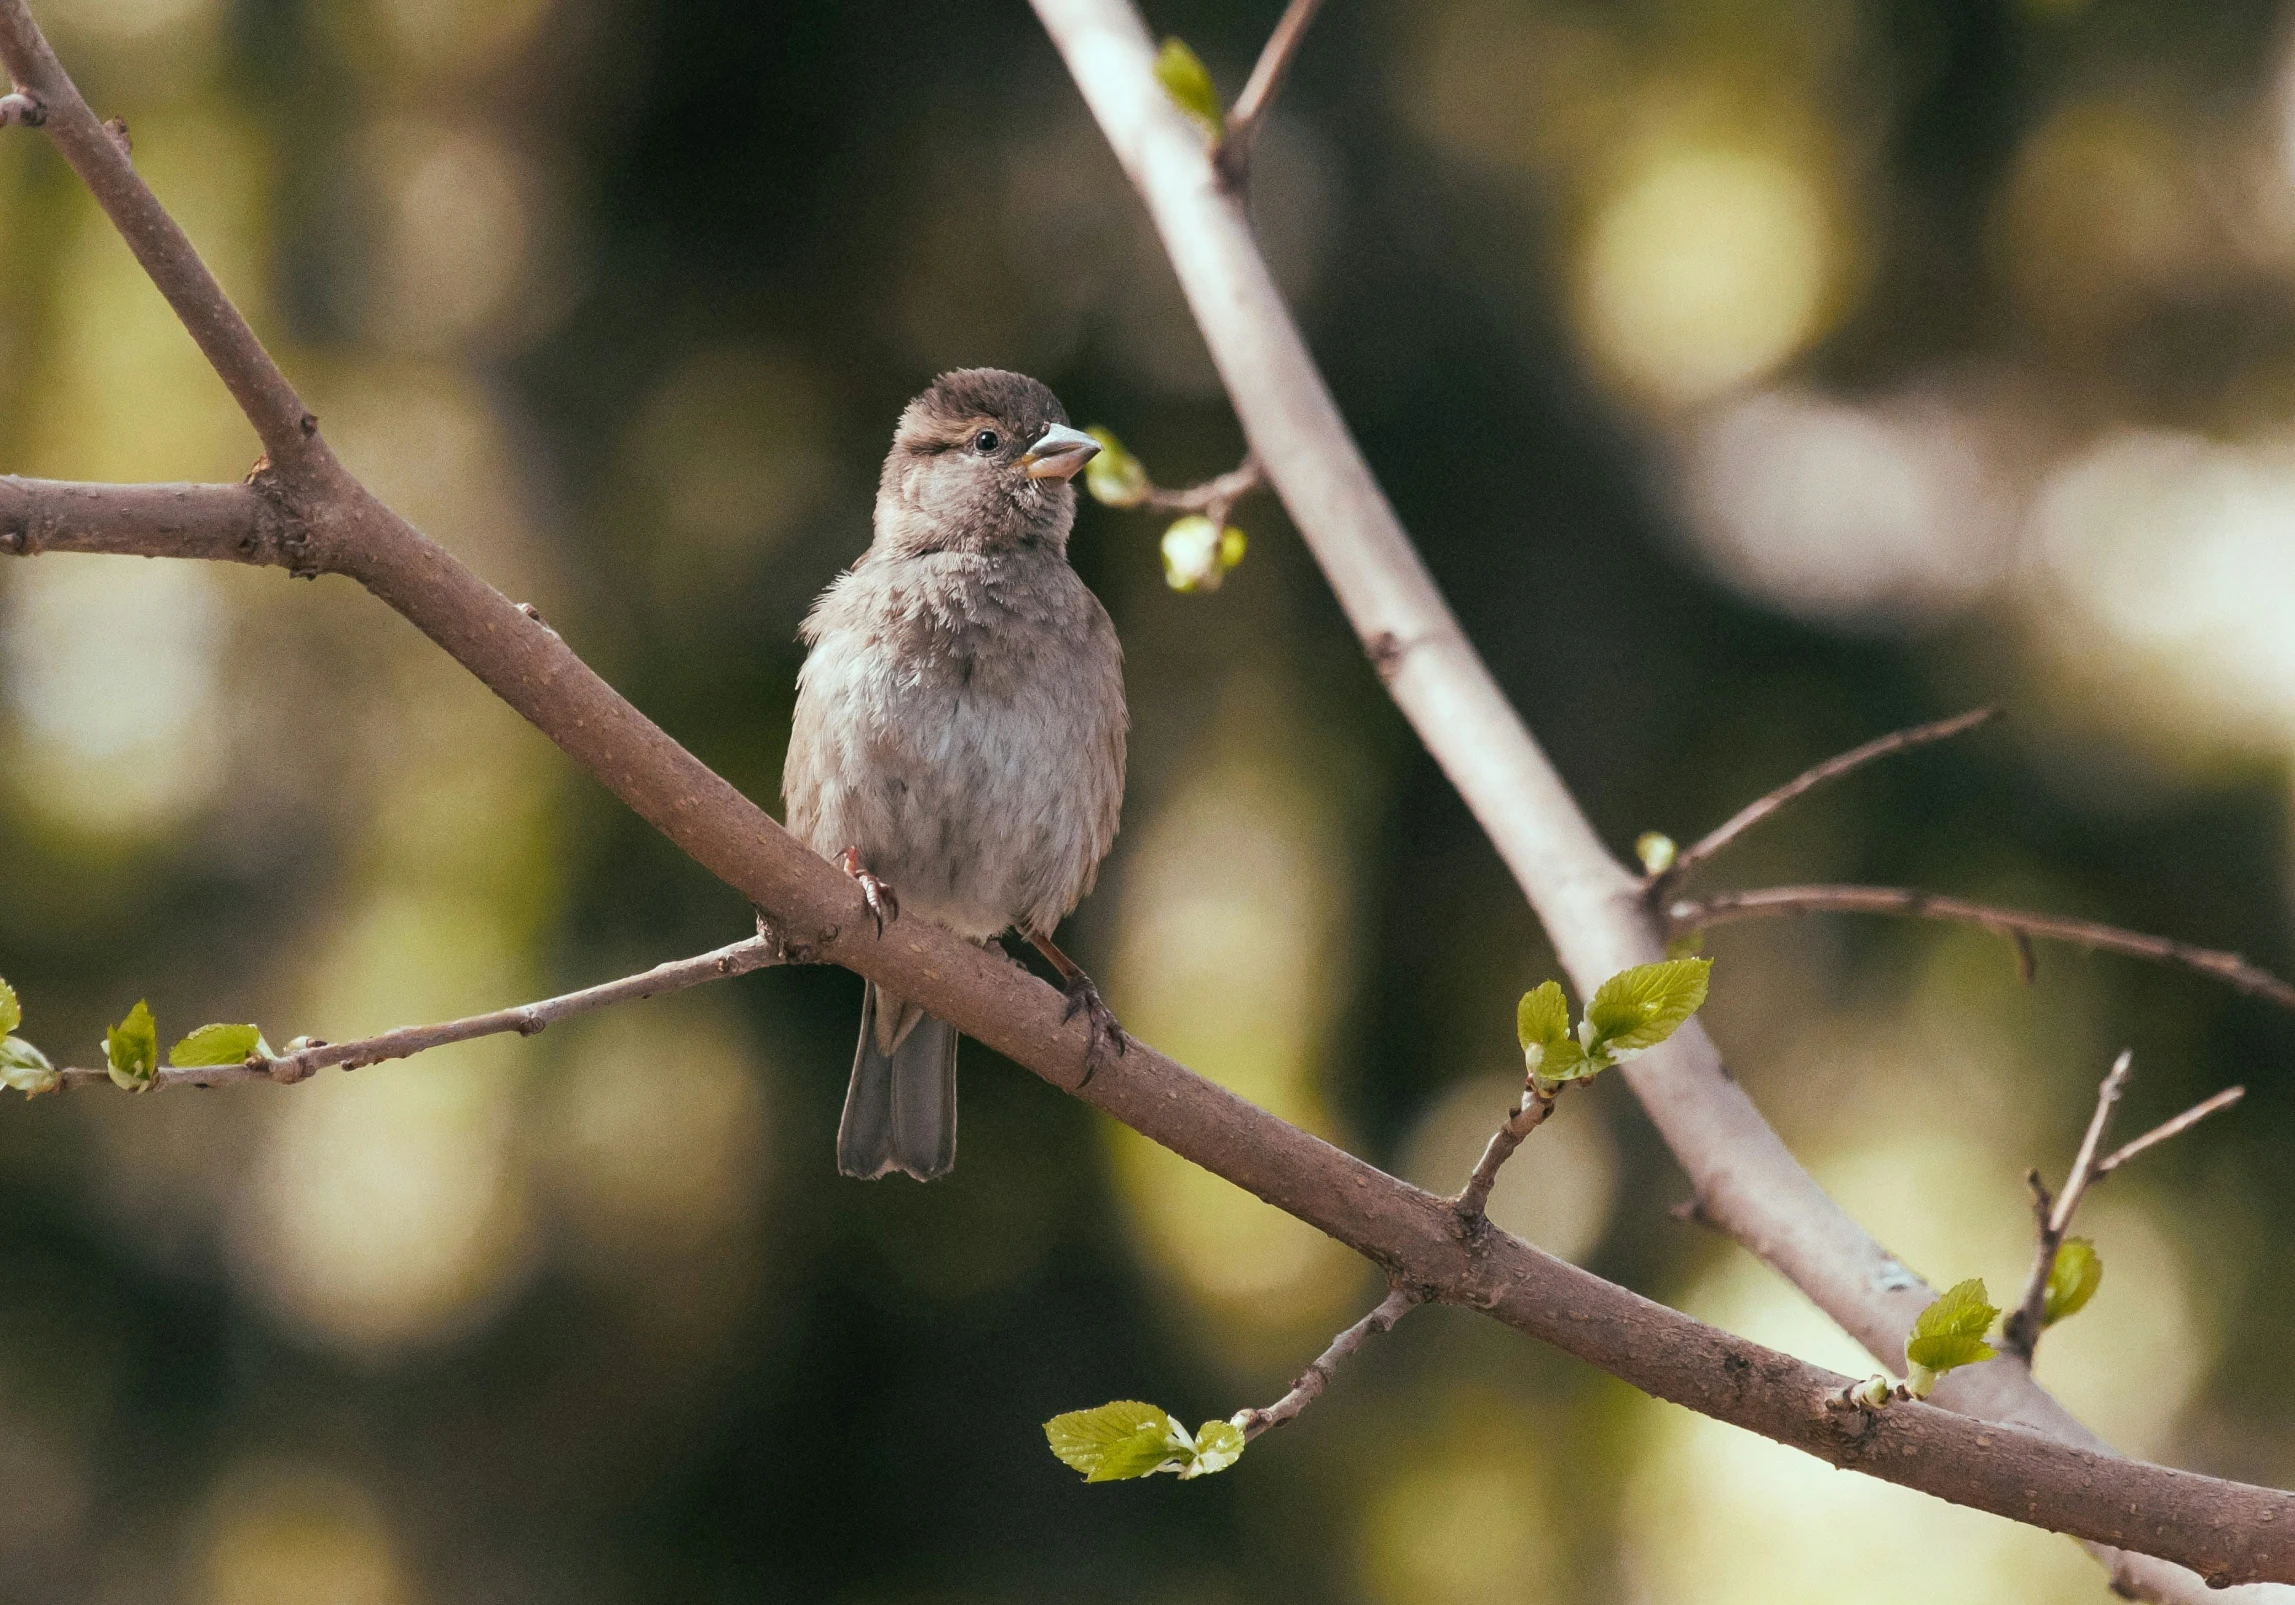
[2020,1333]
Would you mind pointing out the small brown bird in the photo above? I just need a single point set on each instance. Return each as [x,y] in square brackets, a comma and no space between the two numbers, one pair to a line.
[959,732]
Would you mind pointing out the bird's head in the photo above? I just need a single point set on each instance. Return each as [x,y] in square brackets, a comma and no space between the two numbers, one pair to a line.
[981,462]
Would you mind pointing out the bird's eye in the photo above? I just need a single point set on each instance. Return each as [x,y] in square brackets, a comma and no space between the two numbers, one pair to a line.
[985,442]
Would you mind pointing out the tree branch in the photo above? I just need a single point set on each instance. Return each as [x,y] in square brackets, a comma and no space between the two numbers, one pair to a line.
[527,1019]
[1232,155]
[1529,1113]
[2021,1331]
[1745,1181]
[1215,498]
[1753,813]
[2227,1530]
[1724,908]
[1312,1381]
[2169,1128]
[222,523]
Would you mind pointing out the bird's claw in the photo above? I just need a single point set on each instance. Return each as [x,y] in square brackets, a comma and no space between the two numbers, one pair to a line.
[1084,998]
[883,905]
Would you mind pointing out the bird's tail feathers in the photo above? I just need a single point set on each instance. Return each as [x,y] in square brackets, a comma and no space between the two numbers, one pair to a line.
[900,1108]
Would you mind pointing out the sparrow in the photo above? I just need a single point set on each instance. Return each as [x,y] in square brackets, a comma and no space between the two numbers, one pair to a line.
[958,741]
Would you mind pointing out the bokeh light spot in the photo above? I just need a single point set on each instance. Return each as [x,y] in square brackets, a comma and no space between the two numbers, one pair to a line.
[1705,269]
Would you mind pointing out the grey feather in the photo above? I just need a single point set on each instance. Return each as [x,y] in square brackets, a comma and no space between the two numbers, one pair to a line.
[900,1107]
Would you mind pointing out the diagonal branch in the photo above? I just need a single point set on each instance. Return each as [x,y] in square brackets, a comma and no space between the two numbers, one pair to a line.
[2228,1531]
[1528,1114]
[527,1019]
[1761,808]
[1724,908]
[1312,1381]
[1232,156]
[1746,1182]
[2169,1128]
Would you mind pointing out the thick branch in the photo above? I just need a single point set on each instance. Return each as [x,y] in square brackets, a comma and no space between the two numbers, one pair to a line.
[222,523]
[1761,808]
[527,1019]
[1771,902]
[1317,1376]
[1232,156]
[1746,1181]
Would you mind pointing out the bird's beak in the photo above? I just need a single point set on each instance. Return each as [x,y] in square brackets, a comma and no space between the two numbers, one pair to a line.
[1058,453]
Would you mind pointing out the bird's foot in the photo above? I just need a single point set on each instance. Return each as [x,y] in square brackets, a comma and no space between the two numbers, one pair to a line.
[1084,998]
[883,905]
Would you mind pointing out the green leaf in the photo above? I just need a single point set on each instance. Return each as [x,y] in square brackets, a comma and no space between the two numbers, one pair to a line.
[1950,1332]
[1115,477]
[1562,1061]
[1118,1440]
[1188,82]
[25,1069]
[1542,1018]
[1639,1008]
[131,1049]
[11,1011]
[1656,850]
[215,1044]
[1218,1445]
[2072,1281]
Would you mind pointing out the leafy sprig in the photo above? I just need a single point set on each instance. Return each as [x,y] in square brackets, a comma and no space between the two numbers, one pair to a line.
[1126,1438]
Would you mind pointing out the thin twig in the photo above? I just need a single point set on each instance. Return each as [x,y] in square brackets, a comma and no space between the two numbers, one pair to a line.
[1771,902]
[738,958]
[1232,157]
[1753,813]
[2169,1128]
[1312,1381]
[1528,1114]
[1214,498]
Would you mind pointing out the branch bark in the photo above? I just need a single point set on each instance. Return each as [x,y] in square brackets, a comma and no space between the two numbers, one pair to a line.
[2227,1530]
[1771,902]
[1746,1181]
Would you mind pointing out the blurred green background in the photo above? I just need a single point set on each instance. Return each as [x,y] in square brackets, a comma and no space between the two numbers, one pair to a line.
[1757,375]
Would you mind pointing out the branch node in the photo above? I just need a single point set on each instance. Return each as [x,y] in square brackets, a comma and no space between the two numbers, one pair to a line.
[20,110]
[117,127]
